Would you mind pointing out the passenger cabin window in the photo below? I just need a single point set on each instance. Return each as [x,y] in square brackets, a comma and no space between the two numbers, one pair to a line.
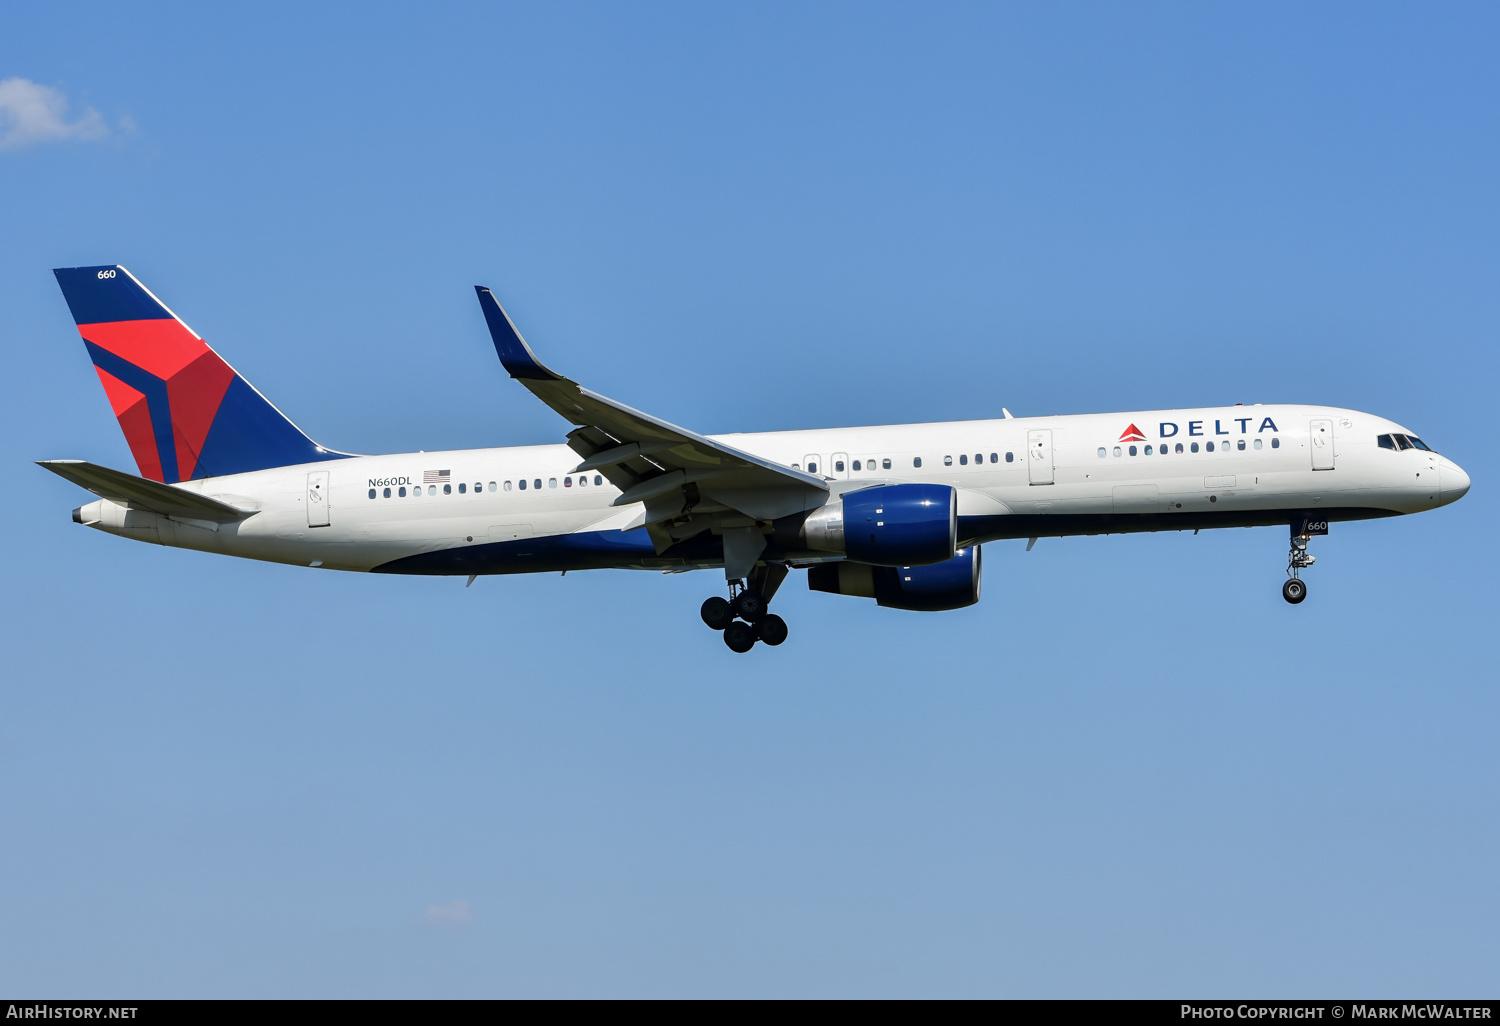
[448,489]
[523,484]
[567,482]
[401,492]
[1276,443]
[372,493]
[461,488]
[598,479]
[1240,445]
[917,462]
[1257,443]
[812,468]
[1117,450]
[1102,452]
[838,466]
[885,464]
[1132,450]
[537,483]
[978,458]
[387,493]
[492,486]
[1179,447]
[1195,447]
[1010,457]
[432,489]
[1209,446]
[551,482]
[947,461]
[856,464]
[994,457]
[1148,450]
[963,461]
[507,486]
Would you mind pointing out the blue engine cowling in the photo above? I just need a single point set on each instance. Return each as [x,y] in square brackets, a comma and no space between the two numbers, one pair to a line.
[951,584]
[901,525]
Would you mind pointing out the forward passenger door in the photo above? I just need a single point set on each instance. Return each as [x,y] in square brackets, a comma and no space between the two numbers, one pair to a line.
[1321,433]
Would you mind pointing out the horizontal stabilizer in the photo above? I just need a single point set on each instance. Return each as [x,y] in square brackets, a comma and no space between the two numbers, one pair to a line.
[140,493]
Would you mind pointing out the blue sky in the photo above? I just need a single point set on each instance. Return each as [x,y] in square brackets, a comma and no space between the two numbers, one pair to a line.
[1132,770]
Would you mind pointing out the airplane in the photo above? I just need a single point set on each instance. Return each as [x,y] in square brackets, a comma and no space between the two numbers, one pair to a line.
[895,513]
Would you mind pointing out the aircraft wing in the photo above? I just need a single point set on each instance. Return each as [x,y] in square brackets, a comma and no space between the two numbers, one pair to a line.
[673,471]
[139,493]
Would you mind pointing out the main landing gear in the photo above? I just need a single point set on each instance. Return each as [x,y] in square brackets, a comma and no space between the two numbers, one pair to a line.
[1295,588]
[744,617]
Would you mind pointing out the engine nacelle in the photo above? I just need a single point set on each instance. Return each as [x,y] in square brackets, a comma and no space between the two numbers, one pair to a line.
[951,584]
[889,525]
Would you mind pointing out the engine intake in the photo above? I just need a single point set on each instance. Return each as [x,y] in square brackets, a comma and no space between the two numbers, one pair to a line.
[951,584]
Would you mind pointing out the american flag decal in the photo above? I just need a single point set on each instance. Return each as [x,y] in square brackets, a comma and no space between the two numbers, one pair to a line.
[435,476]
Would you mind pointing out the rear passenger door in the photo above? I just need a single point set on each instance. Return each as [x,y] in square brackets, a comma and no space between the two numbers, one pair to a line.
[1039,457]
[317,499]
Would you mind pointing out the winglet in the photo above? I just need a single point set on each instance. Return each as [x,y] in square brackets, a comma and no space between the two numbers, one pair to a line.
[515,355]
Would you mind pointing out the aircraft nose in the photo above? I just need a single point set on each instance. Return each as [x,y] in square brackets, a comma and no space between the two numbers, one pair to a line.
[1453,483]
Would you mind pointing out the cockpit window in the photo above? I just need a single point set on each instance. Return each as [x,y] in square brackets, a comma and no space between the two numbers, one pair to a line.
[1395,441]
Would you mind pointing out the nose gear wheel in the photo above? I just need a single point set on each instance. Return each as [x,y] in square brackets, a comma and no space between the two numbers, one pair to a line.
[1294,590]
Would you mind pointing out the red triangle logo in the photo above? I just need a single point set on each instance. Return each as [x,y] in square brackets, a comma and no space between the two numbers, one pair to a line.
[1132,434]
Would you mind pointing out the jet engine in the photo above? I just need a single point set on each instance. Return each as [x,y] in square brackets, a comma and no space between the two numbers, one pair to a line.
[889,525]
[951,584]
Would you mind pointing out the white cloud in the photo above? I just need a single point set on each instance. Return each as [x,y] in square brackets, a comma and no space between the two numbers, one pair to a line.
[453,914]
[32,113]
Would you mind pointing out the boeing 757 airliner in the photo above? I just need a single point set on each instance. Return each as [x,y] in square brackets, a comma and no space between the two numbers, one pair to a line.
[896,513]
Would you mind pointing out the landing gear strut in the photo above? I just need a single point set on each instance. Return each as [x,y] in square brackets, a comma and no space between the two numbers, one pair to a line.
[744,617]
[1295,588]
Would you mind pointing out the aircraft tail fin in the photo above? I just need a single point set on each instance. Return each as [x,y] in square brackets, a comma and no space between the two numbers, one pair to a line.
[186,413]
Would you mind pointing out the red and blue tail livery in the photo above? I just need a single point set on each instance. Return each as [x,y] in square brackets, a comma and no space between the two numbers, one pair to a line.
[185,412]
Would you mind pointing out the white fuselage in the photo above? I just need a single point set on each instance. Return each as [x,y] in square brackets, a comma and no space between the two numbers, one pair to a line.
[1016,478]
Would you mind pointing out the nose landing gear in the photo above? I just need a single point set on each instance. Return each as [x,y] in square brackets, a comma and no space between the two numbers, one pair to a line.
[744,617]
[1294,590]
